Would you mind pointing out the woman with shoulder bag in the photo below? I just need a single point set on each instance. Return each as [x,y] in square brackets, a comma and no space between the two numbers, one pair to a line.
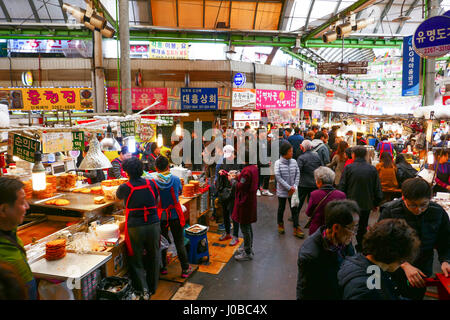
[319,198]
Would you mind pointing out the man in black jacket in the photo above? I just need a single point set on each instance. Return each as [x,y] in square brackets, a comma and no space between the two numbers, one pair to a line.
[360,182]
[321,255]
[431,223]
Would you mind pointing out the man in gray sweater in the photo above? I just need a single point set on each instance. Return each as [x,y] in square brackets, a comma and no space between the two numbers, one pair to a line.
[287,175]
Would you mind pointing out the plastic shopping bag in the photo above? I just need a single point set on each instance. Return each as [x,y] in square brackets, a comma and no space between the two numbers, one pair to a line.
[54,291]
[295,201]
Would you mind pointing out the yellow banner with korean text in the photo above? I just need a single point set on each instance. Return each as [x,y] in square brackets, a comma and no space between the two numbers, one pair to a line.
[46,99]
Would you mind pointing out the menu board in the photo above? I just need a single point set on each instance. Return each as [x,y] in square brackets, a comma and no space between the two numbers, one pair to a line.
[78,140]
[56,142]
[127,128]
[24,147]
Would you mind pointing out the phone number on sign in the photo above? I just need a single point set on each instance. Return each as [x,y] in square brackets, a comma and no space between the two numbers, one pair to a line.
[438,49]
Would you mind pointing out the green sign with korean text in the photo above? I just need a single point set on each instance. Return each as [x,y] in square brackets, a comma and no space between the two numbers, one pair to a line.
[78,140]
[169,121]
[24,147]
[127,128]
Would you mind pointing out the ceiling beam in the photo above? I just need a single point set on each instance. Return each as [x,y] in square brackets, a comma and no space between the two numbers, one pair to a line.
[178,21]
[254,17]
[204,10]
[150,12]
[337,7]
[408,12]
[299,57]
[5,11]
[229,14]
[355,7]
[272,55]
[63,12]
[33,8]
[309,14]
[286,11]
[386,9]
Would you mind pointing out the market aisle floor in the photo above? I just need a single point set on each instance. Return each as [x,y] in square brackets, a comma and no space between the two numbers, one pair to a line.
[272,274]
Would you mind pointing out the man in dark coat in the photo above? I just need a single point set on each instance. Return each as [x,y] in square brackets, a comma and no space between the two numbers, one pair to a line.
[360,182]
[322,253]
[366,276]
[431,223]
[245,205]
[307,163]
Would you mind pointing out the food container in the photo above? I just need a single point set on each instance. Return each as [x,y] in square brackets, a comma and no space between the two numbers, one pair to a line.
[196,230]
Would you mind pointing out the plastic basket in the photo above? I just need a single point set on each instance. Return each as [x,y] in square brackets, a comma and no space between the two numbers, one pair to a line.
[103,287]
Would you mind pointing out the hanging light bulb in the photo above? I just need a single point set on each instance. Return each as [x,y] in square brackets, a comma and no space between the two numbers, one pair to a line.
[109,143]
[38,173]
[430,157]
[131,142]
[178,130]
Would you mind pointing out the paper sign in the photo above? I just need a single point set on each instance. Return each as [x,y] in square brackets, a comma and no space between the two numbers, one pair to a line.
[56,142]
[244,98]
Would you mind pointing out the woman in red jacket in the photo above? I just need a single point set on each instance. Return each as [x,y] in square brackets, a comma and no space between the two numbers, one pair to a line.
[245,205]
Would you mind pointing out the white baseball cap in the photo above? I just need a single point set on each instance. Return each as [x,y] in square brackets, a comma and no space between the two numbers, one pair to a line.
[228,151]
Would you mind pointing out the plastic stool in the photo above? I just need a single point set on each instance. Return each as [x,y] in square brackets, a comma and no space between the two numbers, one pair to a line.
[198,247]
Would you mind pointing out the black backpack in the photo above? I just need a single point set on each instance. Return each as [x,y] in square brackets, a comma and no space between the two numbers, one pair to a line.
[224,189]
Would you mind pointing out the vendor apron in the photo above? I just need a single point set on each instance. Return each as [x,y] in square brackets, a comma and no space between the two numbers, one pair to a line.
[127,211]
[390,149]
[175,205]
[89,180]
[444,178]
[122,173]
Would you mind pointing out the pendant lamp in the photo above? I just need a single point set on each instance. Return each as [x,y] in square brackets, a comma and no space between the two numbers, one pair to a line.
[109,143]
[38,173]
[95,159]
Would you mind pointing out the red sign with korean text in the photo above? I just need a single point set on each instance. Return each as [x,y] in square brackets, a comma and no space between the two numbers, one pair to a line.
[276,99]
[140,98]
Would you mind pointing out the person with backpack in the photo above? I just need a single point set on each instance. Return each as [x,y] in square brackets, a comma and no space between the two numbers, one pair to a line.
[386,146]
[404,170]
[226,192]
[171,214]
[320,146]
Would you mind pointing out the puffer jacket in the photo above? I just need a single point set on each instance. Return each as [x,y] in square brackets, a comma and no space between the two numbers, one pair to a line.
[353,279]
[307,163]
[287,174]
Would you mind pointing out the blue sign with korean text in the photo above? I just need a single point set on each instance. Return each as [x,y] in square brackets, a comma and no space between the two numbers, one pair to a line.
[432,37]
[239,79]
[199,99]
[411,69]
[310,86]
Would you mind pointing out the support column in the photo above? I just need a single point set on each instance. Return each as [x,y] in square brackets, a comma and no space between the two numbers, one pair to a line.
[430,64]
[99,74]
[125,64]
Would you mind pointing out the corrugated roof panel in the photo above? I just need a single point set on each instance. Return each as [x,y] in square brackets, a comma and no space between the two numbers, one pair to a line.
[216,11]
[242,15]
[190,13]
[268,16]
[20,10]
[164,13]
